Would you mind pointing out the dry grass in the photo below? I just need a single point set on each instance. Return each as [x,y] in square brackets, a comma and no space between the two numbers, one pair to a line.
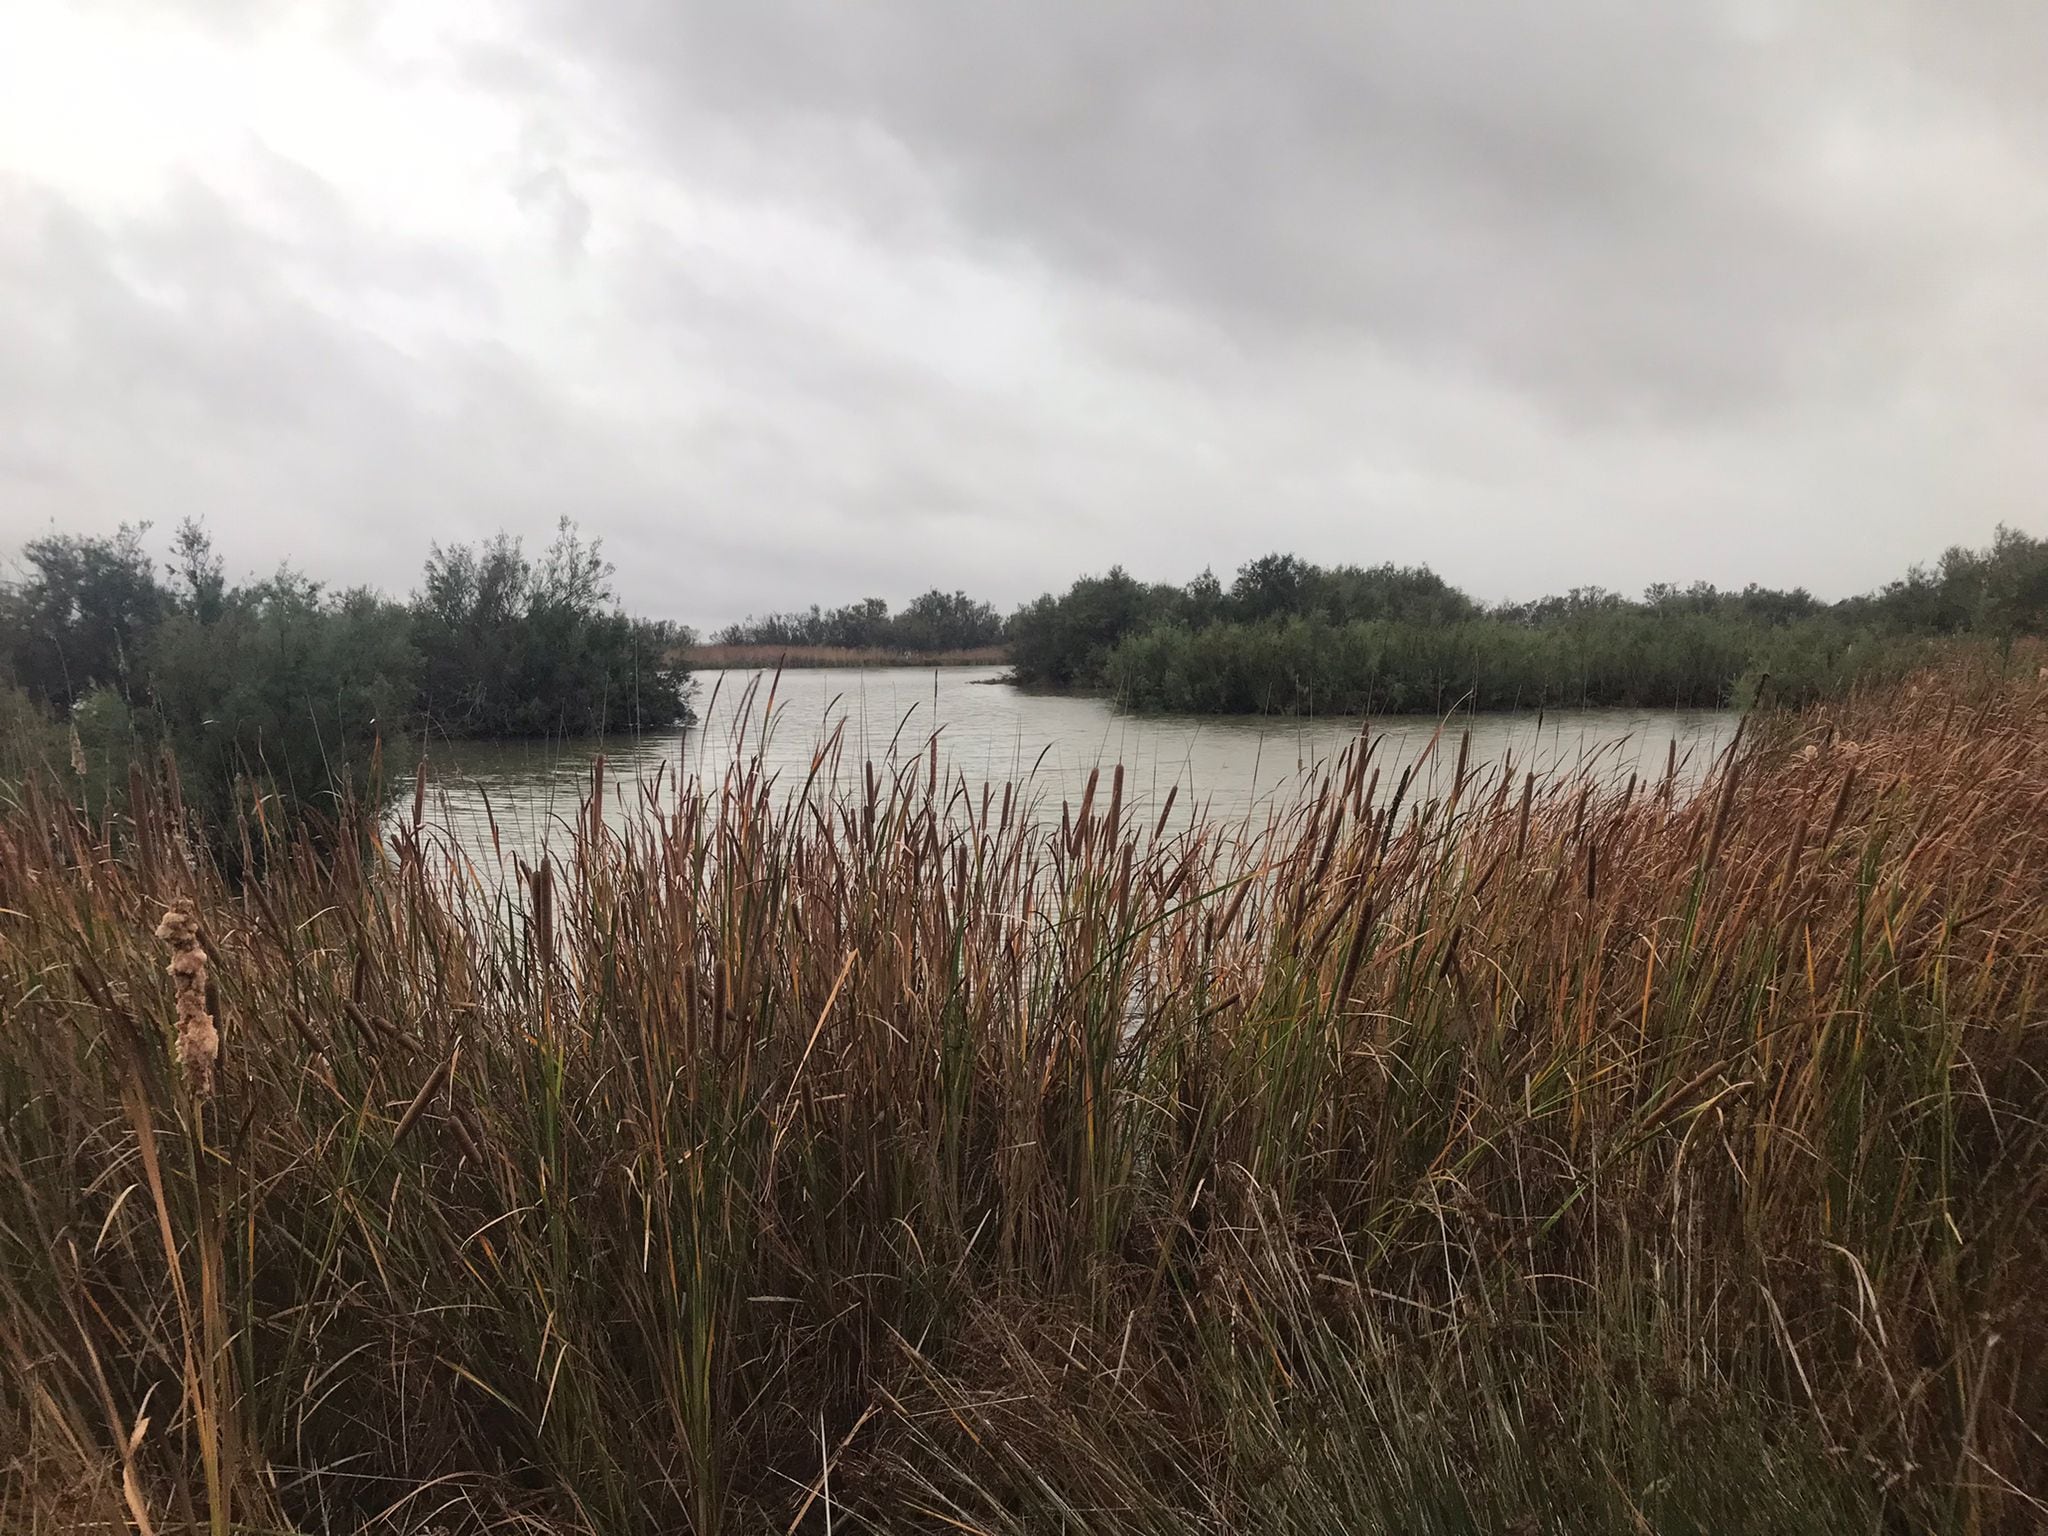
[1544,1156]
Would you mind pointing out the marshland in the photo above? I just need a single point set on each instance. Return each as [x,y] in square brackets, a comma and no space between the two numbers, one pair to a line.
[1023,769]
[1463,1151]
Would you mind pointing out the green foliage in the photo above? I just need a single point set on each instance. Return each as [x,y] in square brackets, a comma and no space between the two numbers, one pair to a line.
[200,577]
[78,620]
[1292,638]
[286,694]
[107,736]
[1801,664]
[1066,641]
[31,743]
[1621,658]
[2001,591]
[946,621]
[935,621]
[281,695]
[508,648]
[89,757]
[1311,665]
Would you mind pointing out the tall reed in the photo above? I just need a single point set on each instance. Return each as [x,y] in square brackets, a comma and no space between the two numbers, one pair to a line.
[1527,1155]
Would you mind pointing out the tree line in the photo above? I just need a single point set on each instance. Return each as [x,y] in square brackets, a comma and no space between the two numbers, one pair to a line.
[934,622]
[283,692]
[1290,637]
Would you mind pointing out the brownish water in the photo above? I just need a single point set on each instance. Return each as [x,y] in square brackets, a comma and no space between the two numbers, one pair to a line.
[1225,766]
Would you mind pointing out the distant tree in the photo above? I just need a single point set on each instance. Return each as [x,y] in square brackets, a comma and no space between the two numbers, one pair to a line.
[1776,606]
[511,648]
[76,622]
[1066,640]
[201,582]
[1665,597]
[804,627]
[859,626]
[1290,635]
[1753,601]
[946,621]
[934,621]
[1271,586]
[465,619]
[1202,601]
[1410,594]
[2012,591]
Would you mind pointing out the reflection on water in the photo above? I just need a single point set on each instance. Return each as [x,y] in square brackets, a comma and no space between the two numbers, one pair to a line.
[1227,767]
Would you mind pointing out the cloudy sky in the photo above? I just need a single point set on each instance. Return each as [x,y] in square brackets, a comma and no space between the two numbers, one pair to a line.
[801,301]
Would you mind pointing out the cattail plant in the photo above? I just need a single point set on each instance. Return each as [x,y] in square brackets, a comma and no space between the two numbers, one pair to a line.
[1481,1151]
[198,1039]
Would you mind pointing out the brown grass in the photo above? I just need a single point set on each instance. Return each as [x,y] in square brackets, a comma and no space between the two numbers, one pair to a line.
[1539,1156]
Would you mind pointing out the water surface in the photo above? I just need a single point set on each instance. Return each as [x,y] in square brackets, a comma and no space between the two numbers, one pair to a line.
[1224,766]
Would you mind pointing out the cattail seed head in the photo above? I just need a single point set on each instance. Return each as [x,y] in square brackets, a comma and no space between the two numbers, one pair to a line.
[198,1039]
[179,927]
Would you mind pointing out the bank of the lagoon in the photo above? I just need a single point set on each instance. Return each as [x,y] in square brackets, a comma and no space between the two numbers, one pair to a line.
[1229,766]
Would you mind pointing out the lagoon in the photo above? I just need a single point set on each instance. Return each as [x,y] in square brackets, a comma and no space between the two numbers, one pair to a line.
[495,798]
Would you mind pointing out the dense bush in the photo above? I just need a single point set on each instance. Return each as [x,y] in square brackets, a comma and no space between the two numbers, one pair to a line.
[278,694]
[1066,641]
[285,693]
[80,619]
[30,741]
[510,648]
[1289,637]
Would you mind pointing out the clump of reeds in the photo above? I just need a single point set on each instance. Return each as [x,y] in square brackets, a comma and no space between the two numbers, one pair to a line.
[1447,1152]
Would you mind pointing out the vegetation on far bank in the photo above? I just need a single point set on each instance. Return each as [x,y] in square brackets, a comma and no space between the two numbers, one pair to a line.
[935,623]
[285,691]
[1288,637]
[730,658]
[1546,1156]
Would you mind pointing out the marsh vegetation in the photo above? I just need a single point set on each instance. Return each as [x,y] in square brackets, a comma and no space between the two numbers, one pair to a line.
[1532,1154]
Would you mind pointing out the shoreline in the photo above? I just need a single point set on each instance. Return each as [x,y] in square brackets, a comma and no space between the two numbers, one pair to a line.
[758,658]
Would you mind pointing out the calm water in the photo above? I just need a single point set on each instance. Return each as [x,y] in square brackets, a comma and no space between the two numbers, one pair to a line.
[1230,766]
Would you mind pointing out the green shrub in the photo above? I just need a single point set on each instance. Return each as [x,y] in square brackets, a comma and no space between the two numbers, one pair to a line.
[1289,637]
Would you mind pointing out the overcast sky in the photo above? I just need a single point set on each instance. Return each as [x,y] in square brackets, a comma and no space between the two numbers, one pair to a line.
[794,302]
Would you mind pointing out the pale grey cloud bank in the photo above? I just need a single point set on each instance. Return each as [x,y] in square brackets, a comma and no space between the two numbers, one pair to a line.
[805,300]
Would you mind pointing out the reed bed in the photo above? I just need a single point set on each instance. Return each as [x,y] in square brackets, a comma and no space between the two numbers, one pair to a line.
[1536,1156]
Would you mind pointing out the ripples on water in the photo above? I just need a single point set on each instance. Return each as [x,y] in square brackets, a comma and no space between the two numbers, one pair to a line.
[1225,767]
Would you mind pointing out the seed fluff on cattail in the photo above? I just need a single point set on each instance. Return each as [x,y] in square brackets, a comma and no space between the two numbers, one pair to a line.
[198,1040]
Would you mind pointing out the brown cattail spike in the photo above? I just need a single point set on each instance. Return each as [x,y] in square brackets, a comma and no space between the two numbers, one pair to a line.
[198,1040]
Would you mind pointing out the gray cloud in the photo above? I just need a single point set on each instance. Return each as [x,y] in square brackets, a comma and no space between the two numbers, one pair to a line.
[1611,206]
[793,301]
